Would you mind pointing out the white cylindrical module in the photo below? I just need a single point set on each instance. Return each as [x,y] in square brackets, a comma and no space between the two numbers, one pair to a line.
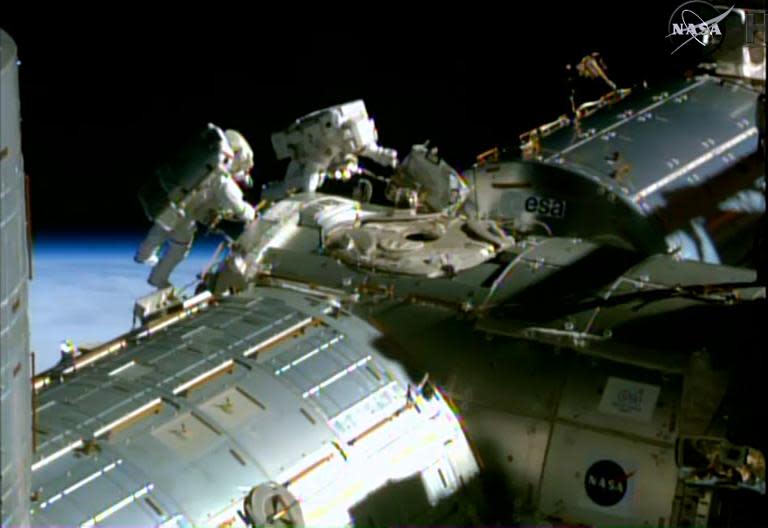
[15,377]
[270,405]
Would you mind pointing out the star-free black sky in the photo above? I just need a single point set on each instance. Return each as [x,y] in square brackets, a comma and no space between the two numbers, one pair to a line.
[103,100]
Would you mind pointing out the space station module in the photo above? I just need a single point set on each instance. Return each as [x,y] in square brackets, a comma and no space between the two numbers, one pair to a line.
[326,144]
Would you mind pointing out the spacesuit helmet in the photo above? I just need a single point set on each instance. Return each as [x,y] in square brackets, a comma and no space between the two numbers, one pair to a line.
[242,164]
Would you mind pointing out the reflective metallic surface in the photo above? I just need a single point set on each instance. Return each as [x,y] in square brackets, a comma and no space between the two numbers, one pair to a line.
[658,169]
[15,375]
[576,366]
[194,413]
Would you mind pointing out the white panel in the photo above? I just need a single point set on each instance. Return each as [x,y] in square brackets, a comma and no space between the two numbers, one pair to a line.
[607,479]
[622,398]
[629,399]
[187,436]
[232,408]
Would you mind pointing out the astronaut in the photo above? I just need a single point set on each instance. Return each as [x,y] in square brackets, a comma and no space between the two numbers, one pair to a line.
[326,144]
[242,161]
[67,352]
[218,196]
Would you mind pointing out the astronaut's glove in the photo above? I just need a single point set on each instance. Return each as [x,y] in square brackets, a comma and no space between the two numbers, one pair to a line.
[244,179]
[345,169]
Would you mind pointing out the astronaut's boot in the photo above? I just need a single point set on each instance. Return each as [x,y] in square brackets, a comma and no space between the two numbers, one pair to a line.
[177,251]
[148,249]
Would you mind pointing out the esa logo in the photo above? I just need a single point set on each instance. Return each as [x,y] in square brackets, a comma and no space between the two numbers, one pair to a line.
[551,207]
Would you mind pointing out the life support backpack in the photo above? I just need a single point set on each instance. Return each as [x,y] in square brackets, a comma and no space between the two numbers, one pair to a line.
[183,172]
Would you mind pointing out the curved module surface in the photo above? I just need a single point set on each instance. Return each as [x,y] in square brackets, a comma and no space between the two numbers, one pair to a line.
[258,390]
[15,272]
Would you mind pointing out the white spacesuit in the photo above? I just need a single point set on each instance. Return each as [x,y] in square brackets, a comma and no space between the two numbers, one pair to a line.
[326,144]
[68,352]
[242,161]
[217,197]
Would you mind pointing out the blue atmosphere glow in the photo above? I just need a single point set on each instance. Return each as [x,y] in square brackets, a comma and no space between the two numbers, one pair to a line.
[84,287]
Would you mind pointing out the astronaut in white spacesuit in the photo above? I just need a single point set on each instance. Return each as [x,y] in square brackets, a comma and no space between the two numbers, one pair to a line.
[326,144]
[217,197]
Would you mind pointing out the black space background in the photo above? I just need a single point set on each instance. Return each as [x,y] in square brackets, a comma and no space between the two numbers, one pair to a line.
[104,95]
